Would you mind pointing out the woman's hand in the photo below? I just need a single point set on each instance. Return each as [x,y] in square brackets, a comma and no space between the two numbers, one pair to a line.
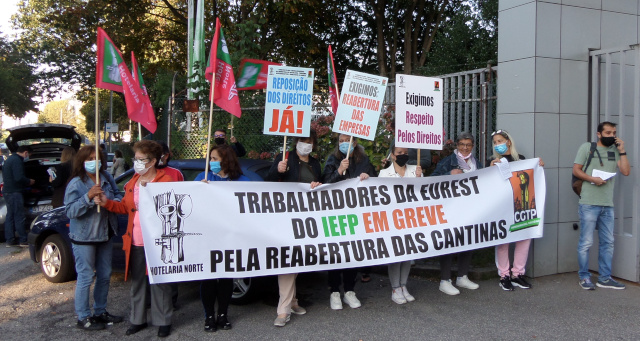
[456,171]
[315,184]
[282,166]
[95,190]
[205,181]
[344,165]
[494,161]
[418,171]
[100,199]
[364,176]
[541,163]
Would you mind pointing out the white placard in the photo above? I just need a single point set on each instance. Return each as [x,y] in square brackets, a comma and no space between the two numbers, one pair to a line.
[287,110]
[419,106]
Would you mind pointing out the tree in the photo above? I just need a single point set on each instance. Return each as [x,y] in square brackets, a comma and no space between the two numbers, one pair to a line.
[120,117]
[64,111]
[16,81]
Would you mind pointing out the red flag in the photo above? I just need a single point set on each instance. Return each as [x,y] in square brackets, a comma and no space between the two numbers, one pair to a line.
[146,116]
[253,74]
[132,93]
[219,63]
[333,82]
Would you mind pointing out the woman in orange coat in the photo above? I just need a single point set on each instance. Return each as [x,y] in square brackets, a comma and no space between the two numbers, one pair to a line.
[147,156]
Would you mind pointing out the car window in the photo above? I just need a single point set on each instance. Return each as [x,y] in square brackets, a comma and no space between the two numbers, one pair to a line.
[29,142]
[110,157]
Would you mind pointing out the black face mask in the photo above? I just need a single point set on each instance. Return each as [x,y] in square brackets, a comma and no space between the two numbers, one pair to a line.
[402,160]
[608,141]
[219,140]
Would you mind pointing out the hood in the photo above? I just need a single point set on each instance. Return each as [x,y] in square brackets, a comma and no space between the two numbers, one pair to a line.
[43,131]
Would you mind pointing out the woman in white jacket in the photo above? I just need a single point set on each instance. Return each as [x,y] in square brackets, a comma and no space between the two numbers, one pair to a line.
[399,272]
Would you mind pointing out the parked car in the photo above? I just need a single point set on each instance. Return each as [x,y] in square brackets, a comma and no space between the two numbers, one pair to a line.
[47,141]
[110,158]
[50,246]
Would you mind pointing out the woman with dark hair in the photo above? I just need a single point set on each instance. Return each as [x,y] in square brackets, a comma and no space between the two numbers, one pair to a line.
[90,232]
[298,166]
[459,162]
[145,161]
[62,176]
[337,168]
[117,167]
[223,166]
[504,147]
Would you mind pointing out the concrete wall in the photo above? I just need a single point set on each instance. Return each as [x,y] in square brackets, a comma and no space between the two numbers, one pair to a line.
[543,89]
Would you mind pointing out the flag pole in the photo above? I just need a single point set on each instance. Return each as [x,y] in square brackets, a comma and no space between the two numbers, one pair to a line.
[284,148]
[348,150]
[139,132]
[97,143]
[232,116]
[206,166]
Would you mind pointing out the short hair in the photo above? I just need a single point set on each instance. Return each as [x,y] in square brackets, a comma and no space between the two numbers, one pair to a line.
[229,164]
[22,149]
[151,149]
[165,147]
[67,154]
[465,136]
[222,130]
[118,153]
[605,123]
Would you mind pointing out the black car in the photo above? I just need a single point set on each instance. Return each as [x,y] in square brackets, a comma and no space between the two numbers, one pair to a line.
[49,242]
[47,140]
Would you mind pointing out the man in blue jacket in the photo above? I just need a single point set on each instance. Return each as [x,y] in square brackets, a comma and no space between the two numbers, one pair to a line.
[14,183]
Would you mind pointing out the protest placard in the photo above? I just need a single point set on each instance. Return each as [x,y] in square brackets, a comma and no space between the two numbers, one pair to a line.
[419,112]
[287,110]
[360,105]
[195,230]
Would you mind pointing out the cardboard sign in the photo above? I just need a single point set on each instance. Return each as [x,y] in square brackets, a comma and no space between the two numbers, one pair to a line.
[360,105]
[419,103]
[287,110]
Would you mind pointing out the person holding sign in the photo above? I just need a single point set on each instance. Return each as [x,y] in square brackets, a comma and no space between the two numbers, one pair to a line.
[224,166]
[297,166]
[220,138]
[145,162]
[505,148]
[399,272]
[337,168]
[459,162]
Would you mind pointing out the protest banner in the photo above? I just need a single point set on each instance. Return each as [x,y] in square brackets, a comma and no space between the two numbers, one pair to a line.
[287,110]
[419,104]
[360,105]
[195,230]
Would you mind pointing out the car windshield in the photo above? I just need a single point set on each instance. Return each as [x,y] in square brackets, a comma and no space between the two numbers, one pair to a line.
[31,142]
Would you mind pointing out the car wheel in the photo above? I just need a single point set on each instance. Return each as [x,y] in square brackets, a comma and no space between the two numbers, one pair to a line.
[56,260]
[244,290]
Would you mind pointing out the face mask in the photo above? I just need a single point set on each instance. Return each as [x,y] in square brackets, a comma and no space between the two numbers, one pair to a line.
[161,163]
[606,141]
[219,140]
[214,166]
[501,148]
[304,149]
[139,167]
[402,160]
[344,147]
[26,158]
[90,166]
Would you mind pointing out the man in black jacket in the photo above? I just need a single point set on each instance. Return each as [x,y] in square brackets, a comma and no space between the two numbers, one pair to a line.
[220,137]
[14,183]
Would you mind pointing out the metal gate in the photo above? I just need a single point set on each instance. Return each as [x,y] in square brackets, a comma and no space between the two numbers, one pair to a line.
[614,89]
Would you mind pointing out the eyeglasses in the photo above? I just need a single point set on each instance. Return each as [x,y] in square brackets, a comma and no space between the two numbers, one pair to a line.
[466,145]
[220,135]
[499,131]
[143,160]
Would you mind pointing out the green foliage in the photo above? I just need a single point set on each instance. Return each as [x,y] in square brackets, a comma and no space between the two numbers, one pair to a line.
[88,110]
[17,81]
[53,111]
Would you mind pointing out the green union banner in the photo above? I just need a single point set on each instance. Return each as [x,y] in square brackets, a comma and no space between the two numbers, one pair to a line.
[109,58]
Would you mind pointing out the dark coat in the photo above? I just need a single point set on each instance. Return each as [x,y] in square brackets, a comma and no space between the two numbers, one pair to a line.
[331,175]
[293,169]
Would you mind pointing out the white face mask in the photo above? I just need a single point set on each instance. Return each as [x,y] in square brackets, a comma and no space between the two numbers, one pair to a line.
[304,149]
[139,167]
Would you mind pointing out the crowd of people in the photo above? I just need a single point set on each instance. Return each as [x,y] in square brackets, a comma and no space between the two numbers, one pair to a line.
[79,188]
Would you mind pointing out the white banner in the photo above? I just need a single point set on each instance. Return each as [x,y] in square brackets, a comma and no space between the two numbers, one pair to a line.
[419,106]
[360,105]
[194,230]
[287,110]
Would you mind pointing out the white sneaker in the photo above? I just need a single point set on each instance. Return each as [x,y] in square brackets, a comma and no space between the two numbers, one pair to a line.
[407,295]
[448,288]
[464,282]
[397,296]
[351,299]
[334,300]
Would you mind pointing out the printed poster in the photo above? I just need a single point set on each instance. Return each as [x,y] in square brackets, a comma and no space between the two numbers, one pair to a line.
[287,109]
[419,103]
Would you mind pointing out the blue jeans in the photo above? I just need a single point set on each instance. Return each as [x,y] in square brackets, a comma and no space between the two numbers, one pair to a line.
[590,217]
[89,259]
[15,218]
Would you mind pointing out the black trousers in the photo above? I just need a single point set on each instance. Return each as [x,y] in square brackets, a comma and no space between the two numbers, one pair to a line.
[464,260]
[216,289]
[346,276]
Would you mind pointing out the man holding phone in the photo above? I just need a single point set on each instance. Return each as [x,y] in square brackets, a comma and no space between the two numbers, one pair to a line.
[596,203]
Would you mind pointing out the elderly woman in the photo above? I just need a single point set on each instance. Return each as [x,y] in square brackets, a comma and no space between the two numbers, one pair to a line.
[505,147]
[90,232]
[460,161]
[147,156]
[399,272]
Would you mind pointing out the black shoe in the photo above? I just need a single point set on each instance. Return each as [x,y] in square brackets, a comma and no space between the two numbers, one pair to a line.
[164,331]
[505,283]
[107,318]
[223,323]
[134,328]
[89,323]
[520,282]
[210,324]
[11,244]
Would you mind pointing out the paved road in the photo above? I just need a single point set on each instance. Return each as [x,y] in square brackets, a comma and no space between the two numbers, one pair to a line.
[556,308]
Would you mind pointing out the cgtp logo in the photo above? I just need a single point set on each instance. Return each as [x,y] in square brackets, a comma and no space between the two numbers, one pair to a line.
[525,214]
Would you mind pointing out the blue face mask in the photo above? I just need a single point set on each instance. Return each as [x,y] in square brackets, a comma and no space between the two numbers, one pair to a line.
[501,148]
[26,158]
[344,147]
[90,166]
[215,166]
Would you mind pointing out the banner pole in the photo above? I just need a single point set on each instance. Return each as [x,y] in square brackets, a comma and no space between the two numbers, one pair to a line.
[284,148]
[348,151]
[232,116]
[418,161]
[206,166]
[97,143]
